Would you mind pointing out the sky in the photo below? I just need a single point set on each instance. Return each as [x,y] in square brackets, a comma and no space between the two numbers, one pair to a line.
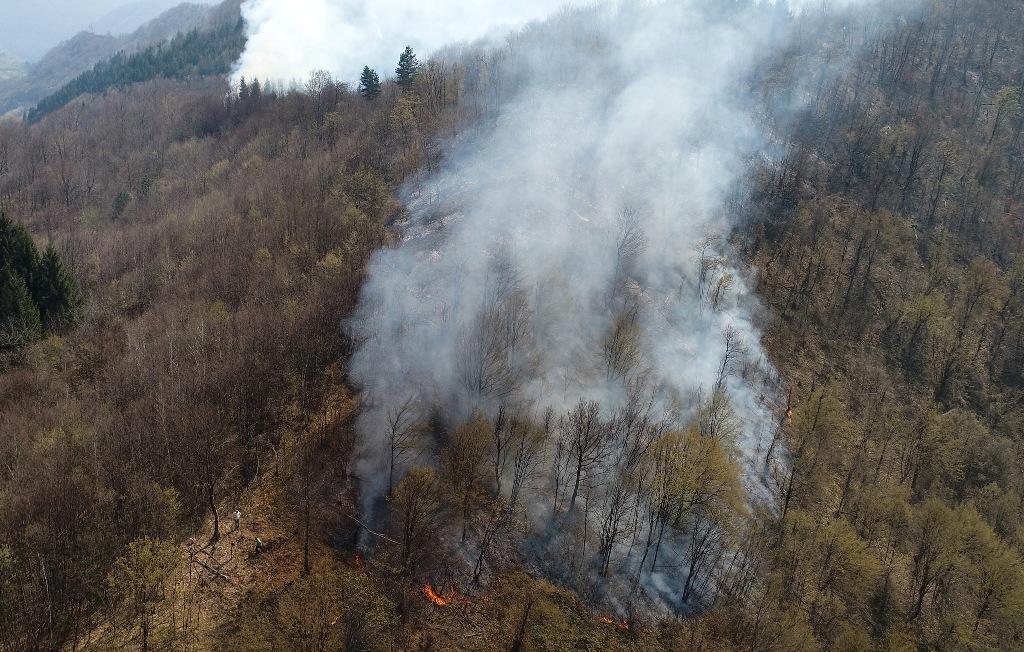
[28,28]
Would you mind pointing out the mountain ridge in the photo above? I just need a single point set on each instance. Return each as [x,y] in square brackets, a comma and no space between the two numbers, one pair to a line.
[73,56]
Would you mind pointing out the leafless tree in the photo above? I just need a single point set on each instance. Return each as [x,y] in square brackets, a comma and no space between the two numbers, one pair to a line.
[402,435]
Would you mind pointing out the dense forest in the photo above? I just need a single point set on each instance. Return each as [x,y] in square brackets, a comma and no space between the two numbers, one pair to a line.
[23,86]
[195,54]
[37,295]
[179,351]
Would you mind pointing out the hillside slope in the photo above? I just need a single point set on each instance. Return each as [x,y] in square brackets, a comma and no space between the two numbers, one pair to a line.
[79,53]
[221,245]
[195,54]
[129,17]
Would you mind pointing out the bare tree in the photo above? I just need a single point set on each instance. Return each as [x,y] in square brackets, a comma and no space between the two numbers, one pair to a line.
[495,351]
[733,351]
[402,434]
[587,439]
[526,445]
[630,241]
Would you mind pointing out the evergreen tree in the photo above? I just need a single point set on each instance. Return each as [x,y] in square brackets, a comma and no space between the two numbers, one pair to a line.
[120,204]
[188,55]
[19,317]
[408,68]
[369,84]
[17,251]
[243,90]
[35,293]
[56,292]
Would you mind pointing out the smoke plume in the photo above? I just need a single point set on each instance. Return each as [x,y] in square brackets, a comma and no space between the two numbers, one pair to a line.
[575,245]
[289,39]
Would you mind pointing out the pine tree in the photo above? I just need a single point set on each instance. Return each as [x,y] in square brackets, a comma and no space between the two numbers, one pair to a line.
[408,68]
[243,90]
[56,292]
[17,250]
[369,84]
[19,317]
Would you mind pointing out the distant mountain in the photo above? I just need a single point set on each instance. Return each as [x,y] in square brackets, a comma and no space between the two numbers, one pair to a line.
[81,52]
[64,60]
[195,54]
[128,18]
[28,28]
[10,67]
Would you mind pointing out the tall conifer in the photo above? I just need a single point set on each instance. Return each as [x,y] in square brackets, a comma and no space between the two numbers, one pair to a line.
[369,84]
[408,68]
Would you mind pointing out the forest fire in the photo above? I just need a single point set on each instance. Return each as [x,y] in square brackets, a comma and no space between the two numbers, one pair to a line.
[359,562]
[436,597]
[624,625]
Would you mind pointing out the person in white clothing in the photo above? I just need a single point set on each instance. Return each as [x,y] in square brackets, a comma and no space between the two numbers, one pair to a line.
[237,516]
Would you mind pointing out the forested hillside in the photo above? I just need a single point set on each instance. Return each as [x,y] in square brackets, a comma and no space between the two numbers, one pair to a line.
[186,355]
[888,245]
[195,54]
[63,63]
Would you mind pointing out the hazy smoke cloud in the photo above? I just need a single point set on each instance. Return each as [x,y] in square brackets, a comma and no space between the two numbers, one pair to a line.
[289,39]
[618,135]
[574,244]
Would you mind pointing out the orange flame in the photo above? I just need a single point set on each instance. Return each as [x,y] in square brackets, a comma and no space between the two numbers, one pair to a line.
[435,597]
[624,625]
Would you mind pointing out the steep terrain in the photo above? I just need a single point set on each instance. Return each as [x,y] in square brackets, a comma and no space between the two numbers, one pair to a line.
[64,62]
[223,239]
[129,17]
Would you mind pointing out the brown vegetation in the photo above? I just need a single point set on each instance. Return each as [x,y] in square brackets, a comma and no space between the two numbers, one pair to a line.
[219,244]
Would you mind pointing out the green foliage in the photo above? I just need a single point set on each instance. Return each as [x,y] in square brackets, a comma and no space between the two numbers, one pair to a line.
[140,579]
[416,508]
[195,54]
[56,293]
[20,322]
[37,295]
[463,462]
[408,69]
[369,84]
[331,608]
[17,250]
[370,193]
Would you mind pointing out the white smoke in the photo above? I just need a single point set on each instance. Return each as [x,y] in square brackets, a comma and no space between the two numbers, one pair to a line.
[611,141]
[636,110]
[289,39]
